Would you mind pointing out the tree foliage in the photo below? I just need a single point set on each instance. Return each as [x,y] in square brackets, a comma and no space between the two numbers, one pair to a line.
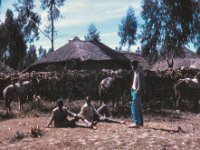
[151,33]
[42,52]
[12,44]
[93,34]
[53,14]
[198,51]
[28,19]
[128,28]
[30,57]
[168,26]
[195,36]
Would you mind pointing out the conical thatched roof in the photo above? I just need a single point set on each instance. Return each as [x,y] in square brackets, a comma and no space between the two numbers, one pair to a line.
[134,56]
[189,54]
[185,60]
[178,63]
[80,51]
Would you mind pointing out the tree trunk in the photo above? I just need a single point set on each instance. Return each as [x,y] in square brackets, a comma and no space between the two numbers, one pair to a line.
[52,28]
[171,63]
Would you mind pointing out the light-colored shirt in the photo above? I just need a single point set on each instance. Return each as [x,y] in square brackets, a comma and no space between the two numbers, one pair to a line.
[138,80]
[135,80]
[87,112]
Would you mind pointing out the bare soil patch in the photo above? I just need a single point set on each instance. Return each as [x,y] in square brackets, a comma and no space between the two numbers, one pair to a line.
[167,131]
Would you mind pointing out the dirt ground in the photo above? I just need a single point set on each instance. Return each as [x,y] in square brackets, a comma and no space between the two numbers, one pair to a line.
[170,130]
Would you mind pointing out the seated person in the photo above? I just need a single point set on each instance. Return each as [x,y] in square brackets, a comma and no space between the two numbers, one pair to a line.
[89,113]
[60,114]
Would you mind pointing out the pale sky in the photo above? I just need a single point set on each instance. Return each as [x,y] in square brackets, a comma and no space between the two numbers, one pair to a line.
[78,14]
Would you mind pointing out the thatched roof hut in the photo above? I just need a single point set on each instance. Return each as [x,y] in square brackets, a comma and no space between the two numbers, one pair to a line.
[78,54]
[185,60]
[135,56]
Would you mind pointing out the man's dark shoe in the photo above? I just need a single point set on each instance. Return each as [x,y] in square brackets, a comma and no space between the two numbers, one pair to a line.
[141,124]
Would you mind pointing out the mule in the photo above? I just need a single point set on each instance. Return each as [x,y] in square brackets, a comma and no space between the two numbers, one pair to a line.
[187,89]
[20,91]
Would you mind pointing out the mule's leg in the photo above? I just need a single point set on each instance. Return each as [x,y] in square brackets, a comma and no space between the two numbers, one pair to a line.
[117,101]
[100,97]
[103,110]
[8,107]
[20,104]
[8,112]
[105,102]
[113,103]
[103,99]
[179,103]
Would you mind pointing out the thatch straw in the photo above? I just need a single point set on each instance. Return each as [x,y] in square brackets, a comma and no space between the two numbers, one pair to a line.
[134,56]
[185,60]
[82,50]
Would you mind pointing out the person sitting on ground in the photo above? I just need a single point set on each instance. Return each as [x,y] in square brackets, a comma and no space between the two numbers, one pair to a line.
[90,114]
[60,114]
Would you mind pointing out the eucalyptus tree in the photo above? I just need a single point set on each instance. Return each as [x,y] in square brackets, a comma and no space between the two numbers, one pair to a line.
[42,52]
[93,34]
[28,20]
[12,45]
[128,28]
[53,14]
[30,57]
[168,27]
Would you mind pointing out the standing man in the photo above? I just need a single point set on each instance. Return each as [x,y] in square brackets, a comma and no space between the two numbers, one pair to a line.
[137,92]
[60,114]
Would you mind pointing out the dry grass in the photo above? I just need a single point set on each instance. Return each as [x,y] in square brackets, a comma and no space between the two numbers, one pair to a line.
[17,137]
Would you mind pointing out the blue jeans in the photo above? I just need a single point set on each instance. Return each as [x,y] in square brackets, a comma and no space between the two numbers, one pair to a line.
[136,108]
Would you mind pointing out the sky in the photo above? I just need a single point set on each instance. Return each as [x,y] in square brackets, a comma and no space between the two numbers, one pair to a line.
[78,14]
